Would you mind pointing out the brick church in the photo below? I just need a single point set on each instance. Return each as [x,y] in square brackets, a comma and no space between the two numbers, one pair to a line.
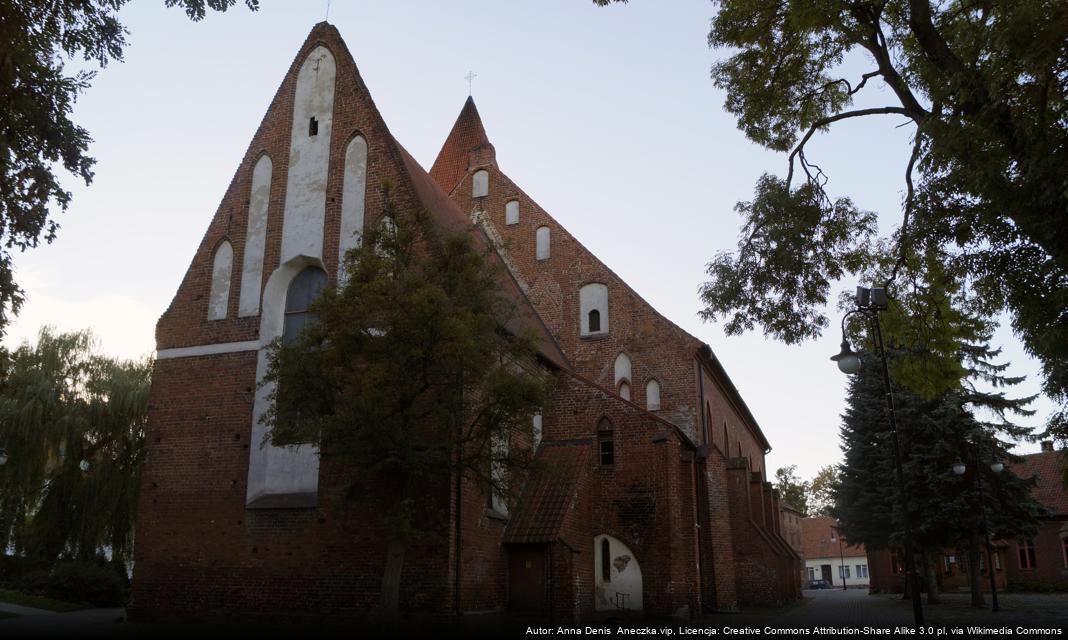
[655,497]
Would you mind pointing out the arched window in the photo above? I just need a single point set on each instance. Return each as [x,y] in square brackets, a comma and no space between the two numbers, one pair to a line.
[624,390]
[593,310]
[221,268]
[511,212]
[480,184]
[621,368]
[255,237]
[537,430]
[594,317]
[652,395]
[541,243]
[304,288]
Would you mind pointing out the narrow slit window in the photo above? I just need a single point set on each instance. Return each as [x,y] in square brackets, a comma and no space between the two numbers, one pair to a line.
[606,560]
[605,446]
[595,321]
[313,127]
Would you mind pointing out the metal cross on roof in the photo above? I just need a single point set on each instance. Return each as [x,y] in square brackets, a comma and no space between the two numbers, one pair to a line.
[471,75]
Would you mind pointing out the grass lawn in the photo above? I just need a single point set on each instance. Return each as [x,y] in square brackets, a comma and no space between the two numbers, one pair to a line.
[37,602]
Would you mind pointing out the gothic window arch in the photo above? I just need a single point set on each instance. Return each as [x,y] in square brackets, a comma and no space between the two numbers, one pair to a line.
[652,395]
[221,268]
[304,288]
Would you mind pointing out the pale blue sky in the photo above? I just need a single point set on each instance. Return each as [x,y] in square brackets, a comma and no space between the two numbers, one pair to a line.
[605,116]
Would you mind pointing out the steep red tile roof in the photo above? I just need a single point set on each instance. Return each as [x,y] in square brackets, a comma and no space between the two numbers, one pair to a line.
[467,146]
[548,495]
[1048,467]
[816,534]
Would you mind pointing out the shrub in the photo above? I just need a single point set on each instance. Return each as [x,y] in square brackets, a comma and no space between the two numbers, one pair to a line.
[98,585]
[1037,587]
[13,568]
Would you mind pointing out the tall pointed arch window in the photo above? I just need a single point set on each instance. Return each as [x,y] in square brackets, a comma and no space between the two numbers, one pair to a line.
[221,268]
[652,395]
[304,288]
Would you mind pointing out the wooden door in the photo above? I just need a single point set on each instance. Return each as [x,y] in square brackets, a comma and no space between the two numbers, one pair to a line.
[527,573]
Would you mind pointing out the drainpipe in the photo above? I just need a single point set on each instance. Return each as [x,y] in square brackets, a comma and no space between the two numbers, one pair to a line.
[459,496]
[697,493]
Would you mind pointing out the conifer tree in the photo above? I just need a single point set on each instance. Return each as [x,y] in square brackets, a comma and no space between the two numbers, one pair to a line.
[945,509]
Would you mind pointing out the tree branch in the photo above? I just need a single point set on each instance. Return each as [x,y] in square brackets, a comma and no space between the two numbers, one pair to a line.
[909,200]
[823,122]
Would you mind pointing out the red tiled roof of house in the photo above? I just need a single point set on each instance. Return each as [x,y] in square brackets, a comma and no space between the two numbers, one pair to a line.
[1048,468]
[816,540]
[543,508]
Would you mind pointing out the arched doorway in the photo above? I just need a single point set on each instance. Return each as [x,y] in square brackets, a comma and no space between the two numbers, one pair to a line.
[617,576]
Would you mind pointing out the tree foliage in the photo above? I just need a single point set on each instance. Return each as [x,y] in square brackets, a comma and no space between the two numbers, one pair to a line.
[983,86]
[408,372]
[72,422]
[821,491]
[37,95]
[792,489]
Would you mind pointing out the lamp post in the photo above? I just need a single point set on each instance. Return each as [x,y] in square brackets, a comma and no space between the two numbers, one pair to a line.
[996,466]
[869,302]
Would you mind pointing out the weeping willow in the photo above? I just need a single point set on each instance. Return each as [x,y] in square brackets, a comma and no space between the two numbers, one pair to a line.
[72,422]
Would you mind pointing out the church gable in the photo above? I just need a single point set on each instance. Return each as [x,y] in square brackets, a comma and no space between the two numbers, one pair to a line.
[309,180]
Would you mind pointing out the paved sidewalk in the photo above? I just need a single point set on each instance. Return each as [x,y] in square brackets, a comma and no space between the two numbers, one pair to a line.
[827,607]
[1017,609]
[87,622]
[20,610]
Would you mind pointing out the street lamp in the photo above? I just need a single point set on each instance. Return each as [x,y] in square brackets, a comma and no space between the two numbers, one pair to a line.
[996,466]
[869,302]
[3,456]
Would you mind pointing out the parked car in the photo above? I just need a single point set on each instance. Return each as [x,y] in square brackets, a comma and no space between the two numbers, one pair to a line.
[818,584]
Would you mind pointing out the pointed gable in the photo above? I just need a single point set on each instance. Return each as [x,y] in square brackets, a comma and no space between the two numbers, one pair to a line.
[467,147]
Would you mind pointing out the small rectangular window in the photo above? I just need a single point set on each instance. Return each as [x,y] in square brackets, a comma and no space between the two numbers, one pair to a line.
[608,454]
[1026,551]
[862,571]
[313,127]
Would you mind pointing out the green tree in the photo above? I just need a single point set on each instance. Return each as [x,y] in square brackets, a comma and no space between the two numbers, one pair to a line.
[409,375]
[792,489]
[983,89]
[821,491]
[37,94]
[945,510]
[72,422]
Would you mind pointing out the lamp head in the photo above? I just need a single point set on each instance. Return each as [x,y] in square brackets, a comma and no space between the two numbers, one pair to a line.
[3,456]
[997,466]
[848,361]
[959,468]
